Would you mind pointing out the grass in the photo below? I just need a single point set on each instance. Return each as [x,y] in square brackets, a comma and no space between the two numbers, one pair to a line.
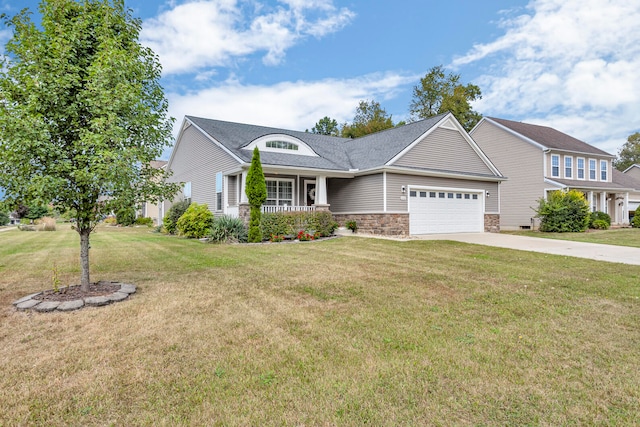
[347,331]
[618,237]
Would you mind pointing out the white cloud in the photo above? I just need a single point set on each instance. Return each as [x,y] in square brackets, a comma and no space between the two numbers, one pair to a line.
[570,64]
[289,105]
[203,33]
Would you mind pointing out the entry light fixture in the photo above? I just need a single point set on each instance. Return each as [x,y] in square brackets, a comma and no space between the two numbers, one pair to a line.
[403,189]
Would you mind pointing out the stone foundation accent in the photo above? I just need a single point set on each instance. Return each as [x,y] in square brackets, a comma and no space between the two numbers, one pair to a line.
[492,223]
[244,213]
[380,224]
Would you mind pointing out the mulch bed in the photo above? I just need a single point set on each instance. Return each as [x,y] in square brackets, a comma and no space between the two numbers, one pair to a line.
[73,292]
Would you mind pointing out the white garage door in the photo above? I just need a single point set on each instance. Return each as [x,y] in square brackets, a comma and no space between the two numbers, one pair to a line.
[445,211]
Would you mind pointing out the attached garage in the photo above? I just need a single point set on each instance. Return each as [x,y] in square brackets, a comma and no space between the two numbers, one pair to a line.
[438,210]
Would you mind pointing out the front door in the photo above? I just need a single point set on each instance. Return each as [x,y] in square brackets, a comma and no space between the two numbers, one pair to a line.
[310,192]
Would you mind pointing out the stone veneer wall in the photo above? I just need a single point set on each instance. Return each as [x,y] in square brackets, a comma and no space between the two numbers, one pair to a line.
[492,223]
[382,224]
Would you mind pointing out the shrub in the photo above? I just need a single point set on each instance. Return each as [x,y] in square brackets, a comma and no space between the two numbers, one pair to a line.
[290,223]
[196,222]
[144,221]
[110,220]
[4,218]
[47,224]
[227,229]
[563,211]
[635,222]
[256,191]
[599,224]
[126,216]
[599,216]
[351,225]
[174,214]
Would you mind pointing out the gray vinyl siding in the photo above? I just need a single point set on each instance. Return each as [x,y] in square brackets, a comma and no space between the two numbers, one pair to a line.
[361,194]
[197,160]
[396,181]
[522,164]
[444,149]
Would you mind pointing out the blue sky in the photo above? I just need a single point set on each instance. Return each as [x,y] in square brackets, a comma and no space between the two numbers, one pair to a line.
[569,64]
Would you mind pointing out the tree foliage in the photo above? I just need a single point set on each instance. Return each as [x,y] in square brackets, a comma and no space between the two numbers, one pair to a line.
[629,153]
[370,118]
[82,113]
[256,189]
[326,126]
[563,211]
[439,92]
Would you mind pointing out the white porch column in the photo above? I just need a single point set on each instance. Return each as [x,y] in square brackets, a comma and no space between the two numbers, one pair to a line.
[591,204]
[625,211]
[603,202]
[321,190]
[243,185]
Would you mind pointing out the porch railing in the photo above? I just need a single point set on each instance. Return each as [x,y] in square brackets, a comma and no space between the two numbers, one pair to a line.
[274,209]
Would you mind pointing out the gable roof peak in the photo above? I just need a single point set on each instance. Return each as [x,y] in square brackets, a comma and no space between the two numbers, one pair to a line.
[549,137]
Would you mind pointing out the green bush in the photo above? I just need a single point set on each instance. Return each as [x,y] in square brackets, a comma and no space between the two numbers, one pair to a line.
[226,229]
[599,224]
[126,216]
[196,222]
[291,223]
[255,218]
[563,211]
[599,216]
[110,220]
[144,221]
[4,218]
[351,225]
[635,222]
[173,215]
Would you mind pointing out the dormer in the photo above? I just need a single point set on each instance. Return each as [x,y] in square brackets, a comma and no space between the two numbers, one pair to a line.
[281,143]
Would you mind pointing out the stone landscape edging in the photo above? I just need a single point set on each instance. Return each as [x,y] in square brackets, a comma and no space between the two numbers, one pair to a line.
[29,303]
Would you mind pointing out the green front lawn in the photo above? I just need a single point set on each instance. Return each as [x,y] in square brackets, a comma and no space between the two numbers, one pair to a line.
[619,237]
[346,331]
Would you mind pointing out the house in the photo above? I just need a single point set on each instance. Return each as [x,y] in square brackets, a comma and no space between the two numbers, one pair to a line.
[154,211]
[424,177]
[540,159]
[631,177]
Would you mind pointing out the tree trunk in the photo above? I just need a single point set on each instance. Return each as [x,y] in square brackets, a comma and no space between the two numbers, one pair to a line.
[84,258]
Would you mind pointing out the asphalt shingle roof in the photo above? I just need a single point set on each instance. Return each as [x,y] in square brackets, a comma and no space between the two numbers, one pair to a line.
[334,153]
[234,136]
[550,137]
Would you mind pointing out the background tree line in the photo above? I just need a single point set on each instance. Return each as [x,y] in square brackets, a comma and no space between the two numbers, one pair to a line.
[438,92]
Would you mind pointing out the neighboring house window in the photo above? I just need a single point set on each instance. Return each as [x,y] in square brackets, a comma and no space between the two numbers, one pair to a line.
[219,191]
[186,191]
[580,166]
[555,165]
[603,170]
[285,145]
[568,167]
[592,169]
[279,192]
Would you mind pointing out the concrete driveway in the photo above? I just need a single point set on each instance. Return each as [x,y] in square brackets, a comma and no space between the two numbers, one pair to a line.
[609,253]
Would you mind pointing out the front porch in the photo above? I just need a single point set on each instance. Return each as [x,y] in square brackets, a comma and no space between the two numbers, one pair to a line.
[616,205]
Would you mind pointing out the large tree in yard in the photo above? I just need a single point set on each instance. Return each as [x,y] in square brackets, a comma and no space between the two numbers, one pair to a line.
[370,118]
[629,153]
[439,92]
[82,113]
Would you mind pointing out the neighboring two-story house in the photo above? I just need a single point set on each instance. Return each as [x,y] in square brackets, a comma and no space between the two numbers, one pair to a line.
[424,177]
[538,159]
